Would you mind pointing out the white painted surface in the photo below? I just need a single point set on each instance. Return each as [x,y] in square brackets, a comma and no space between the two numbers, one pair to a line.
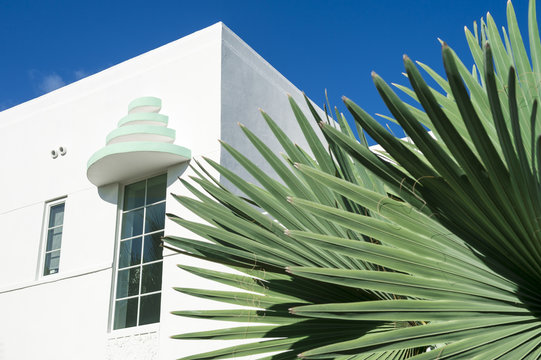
[207,82]
[143,346]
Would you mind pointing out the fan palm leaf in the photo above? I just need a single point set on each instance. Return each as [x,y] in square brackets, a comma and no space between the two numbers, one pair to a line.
[433,245]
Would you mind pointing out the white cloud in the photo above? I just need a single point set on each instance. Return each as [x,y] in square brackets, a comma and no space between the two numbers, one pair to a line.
[79,74]
[51,82]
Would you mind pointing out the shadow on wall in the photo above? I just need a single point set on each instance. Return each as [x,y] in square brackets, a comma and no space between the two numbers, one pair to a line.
[109,193]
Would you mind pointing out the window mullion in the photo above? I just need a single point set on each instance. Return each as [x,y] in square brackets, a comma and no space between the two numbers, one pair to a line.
[139,294]
[141,252]
[137,190]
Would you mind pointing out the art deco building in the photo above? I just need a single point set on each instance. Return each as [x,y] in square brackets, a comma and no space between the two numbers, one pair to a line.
[87,176]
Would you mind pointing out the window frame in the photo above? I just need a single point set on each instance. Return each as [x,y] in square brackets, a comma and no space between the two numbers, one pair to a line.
[137,328]
[44,235]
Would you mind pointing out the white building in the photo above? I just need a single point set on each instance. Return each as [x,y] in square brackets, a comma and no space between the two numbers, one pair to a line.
[80,274]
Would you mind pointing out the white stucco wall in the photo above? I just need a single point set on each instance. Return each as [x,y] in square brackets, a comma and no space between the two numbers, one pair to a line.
[66,315]
[208,81]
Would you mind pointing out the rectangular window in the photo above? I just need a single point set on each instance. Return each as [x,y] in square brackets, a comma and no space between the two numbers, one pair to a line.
[139,262]
[53,233]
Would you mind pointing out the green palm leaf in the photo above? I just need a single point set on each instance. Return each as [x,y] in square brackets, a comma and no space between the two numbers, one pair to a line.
[428,250]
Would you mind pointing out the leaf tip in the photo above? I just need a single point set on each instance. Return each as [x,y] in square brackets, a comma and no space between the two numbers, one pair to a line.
[289,199]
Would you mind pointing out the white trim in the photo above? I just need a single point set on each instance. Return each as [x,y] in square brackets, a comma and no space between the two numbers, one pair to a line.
[134,330]
[44,230]
[55,278]
[114,265]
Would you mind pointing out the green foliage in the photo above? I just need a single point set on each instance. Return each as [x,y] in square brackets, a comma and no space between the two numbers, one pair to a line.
[356,255]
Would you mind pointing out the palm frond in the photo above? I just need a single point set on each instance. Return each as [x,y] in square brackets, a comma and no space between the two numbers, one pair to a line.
[429,250]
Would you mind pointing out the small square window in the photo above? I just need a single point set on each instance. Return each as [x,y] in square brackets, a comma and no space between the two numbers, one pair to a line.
[54,224]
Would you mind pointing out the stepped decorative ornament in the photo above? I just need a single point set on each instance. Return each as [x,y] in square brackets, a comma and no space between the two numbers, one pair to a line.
[141,144]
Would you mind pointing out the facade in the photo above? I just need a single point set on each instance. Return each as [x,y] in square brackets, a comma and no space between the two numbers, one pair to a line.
[87,176]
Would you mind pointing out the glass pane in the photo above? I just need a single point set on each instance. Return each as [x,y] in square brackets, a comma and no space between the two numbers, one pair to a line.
[156,188]
[152,249]
[125,313]
[128,282]
[130,252]
[152,278]
[132,224]
[150,309]
[56,215]
[155,218]
[52,260]
[54,239]
[134,195]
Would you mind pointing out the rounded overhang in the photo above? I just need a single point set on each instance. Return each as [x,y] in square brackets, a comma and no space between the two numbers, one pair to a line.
[128,160]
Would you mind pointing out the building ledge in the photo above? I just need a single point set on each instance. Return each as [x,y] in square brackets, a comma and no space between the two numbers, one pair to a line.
[128,160]
[60,276]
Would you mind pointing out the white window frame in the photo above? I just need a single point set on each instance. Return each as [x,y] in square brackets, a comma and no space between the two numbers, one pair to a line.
[118,240]
[44,235]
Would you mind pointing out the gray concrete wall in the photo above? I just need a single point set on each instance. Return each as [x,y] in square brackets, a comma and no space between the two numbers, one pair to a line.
[248,83]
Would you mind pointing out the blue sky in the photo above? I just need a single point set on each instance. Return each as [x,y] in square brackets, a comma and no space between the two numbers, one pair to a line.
[316,44]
